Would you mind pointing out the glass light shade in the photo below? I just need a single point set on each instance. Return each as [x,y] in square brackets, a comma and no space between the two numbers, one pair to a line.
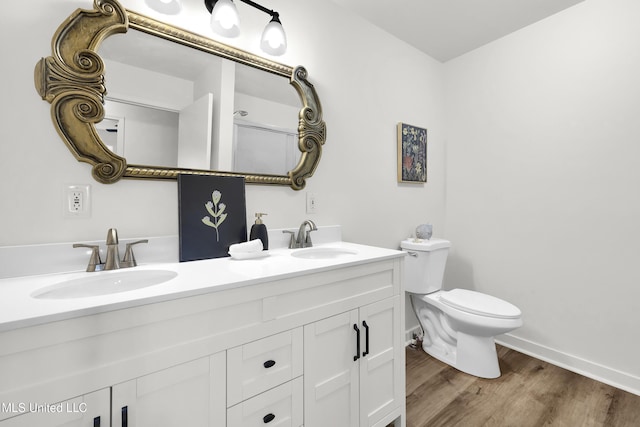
[168,7]
[224,19]
[274,40]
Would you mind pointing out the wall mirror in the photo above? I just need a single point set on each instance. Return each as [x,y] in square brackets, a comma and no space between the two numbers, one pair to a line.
[137,98]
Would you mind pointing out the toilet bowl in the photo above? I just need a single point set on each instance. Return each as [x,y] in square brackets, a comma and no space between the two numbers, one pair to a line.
[459,325]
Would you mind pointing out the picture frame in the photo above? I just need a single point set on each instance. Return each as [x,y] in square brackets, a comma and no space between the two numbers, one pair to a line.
[211,215]
[412,154]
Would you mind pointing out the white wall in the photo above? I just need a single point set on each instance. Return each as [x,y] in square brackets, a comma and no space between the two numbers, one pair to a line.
[367,82]
[543,184]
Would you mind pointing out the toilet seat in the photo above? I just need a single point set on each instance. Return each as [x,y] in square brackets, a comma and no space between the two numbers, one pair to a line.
[479,303]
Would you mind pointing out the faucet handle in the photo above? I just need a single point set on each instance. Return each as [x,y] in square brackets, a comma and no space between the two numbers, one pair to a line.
[129,259]
[292,240]
[304,240]
[307,239]
[95,263]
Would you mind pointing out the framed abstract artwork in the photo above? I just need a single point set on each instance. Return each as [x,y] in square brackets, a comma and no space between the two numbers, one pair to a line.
[412,154]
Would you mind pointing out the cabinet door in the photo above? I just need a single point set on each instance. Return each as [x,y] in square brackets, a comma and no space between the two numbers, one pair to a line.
[191,394]
[382,367]
[330,372]
[90,410]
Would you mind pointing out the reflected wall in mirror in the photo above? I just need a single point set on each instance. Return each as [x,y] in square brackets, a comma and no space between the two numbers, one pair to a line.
[177,103]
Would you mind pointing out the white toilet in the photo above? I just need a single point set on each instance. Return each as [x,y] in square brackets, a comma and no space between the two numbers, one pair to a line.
[459,325]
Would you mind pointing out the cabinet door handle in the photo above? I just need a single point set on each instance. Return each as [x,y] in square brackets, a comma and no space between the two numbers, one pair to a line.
[269,363]
[125,416]
[96,422]
[366,335]
[357,356]
[268,418]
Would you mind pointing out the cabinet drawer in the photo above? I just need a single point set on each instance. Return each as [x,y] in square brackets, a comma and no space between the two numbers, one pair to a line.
[281,406]
[261,365]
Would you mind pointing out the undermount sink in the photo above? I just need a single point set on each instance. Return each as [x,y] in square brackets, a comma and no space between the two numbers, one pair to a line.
[323,253]
[104,283]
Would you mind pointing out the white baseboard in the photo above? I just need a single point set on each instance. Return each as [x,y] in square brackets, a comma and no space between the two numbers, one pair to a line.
[604,374]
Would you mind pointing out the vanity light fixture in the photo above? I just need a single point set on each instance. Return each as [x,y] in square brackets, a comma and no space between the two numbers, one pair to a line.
[168,7]
[226,22]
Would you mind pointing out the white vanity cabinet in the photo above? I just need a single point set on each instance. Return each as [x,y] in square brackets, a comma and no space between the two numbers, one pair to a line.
[354,364]
[275,351]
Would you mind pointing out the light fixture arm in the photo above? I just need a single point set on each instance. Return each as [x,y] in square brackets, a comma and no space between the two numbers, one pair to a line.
[211,3]
[273,13]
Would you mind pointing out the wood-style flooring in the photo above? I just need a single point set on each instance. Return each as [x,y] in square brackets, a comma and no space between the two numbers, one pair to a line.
[530,392]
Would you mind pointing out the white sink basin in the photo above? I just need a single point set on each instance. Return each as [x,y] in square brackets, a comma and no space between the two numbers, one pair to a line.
[104,283]
[323,253]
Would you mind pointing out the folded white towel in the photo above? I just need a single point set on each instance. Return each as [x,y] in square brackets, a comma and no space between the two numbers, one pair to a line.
[247,247]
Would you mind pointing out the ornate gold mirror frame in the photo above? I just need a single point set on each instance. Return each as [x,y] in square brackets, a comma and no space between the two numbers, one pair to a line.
[72,81]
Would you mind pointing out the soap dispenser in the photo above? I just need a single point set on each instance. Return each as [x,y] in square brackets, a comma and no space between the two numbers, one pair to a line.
[259,231]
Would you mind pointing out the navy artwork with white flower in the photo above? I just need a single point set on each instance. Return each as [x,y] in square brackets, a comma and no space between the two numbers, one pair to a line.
[412,154]
[212,215]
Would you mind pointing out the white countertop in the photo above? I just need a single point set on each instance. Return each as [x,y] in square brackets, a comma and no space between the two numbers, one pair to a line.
[19,309]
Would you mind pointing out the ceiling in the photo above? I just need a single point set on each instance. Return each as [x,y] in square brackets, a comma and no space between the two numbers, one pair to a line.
[445,29]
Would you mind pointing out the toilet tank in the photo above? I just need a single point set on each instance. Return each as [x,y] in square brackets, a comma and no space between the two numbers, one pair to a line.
[424,264]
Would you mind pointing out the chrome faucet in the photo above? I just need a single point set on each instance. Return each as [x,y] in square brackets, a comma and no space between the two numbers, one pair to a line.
[113,261]
[303,240]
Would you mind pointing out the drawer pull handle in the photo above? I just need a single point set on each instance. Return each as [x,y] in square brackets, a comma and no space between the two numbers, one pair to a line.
[268,418]
[366,334]
[96,422]
[269,363]
[125,416]
[357,356]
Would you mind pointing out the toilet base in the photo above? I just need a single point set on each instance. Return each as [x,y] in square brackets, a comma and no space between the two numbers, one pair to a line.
[473,355]
[477,356]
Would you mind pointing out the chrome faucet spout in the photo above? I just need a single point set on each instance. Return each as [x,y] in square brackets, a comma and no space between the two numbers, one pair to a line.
[113,254]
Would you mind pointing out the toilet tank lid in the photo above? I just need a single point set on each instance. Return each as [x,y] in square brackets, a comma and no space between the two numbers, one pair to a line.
[424,245]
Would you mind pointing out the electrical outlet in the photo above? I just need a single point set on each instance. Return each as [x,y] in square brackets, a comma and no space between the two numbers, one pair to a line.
[77,202]
[312,203]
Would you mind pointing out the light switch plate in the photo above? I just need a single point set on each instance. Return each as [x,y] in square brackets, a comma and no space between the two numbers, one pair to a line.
[312,203]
